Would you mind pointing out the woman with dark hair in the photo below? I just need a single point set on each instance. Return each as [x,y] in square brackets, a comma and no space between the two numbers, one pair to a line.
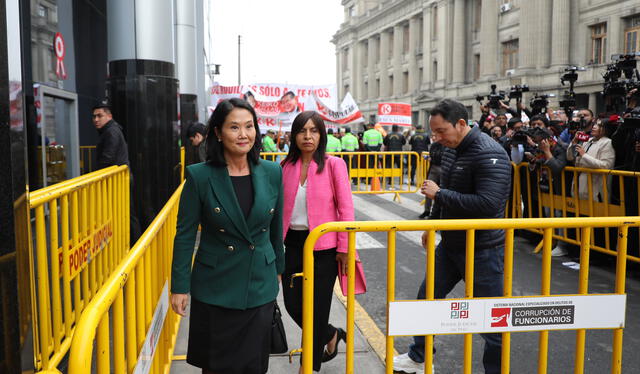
[316,190]
[236,198]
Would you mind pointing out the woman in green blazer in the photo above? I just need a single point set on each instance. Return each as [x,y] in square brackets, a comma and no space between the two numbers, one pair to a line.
[236,198]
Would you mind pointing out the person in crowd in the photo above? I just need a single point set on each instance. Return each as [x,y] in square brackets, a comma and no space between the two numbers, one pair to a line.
[393,142]
[372,141]
[433,171]
[350,143]
[496,133]
[585,116]
[477,184]
[197,133]
[289,102]
[236,197]
[333,144]
[316,190]
[112,150]
[419,143]
[248,96]
[268,143]
[597,153]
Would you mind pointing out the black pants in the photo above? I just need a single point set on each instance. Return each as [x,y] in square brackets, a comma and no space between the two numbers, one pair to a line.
[325,272]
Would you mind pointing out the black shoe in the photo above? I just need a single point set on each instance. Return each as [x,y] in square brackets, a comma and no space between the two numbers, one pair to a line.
[423,215]
[340,335]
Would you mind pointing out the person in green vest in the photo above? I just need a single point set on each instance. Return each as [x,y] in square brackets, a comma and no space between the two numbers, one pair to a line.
[350,144]
[372,140]
[268,145]
[333,144]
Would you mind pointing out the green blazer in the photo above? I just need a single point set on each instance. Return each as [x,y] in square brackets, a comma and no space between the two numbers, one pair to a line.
[238,259]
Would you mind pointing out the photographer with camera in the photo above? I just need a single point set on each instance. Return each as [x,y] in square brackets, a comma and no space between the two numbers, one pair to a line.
[583,122]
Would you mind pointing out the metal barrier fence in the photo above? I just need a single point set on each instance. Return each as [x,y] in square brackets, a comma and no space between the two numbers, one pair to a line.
[81,234]
[534,196]
[469,226]
[130,313]
[378,172]
[87,158]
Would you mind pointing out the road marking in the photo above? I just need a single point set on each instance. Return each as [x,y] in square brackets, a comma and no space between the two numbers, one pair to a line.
[406,203]
[377,213]
[366,241]
[406,269]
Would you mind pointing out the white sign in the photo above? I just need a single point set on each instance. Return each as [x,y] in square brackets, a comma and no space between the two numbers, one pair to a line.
[464,316]
[153,335]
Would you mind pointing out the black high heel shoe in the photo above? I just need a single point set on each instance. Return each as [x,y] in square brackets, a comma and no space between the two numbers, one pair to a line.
[340,335]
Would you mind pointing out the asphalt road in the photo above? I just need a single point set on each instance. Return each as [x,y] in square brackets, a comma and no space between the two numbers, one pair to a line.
[411,260]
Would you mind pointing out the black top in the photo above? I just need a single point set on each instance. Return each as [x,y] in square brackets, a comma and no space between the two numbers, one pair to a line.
[475,182]
[112,148]
[243,187]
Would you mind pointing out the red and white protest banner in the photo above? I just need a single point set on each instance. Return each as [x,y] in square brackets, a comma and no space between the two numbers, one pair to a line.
[394,114]
[277,105]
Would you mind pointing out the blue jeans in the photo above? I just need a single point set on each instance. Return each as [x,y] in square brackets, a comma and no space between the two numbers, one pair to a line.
[488,281]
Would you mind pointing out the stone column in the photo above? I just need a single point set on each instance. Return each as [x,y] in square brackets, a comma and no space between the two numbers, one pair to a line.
[593,101]
[613,37]
[489,39]
[543,49]
[371,68]
[397,60]
[356,69]
[385,90]
[459,44]
[528,39]
[414,80]
[426,46]
[560,32]
[443,46]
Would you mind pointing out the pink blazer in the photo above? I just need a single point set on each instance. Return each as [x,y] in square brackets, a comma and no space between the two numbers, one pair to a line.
[328,199]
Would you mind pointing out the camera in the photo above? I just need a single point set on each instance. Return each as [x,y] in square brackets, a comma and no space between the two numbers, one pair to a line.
[569,98]
[516,92]
[539,103]
[620,78]
[494,98]
[520,137]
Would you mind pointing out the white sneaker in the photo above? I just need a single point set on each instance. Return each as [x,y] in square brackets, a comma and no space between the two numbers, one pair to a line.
[404,363]
[559,251]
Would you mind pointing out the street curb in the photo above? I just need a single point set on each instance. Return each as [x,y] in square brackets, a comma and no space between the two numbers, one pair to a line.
[370,331]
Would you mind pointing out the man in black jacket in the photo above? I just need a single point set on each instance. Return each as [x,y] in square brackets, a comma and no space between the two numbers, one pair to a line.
[475,183]
[112,148]
[393,142]
[419,143]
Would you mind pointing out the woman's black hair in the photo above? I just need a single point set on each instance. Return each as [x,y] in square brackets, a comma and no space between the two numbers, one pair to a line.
[297,126]
[215,148]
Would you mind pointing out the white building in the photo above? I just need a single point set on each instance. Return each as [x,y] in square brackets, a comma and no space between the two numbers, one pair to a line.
[420,51]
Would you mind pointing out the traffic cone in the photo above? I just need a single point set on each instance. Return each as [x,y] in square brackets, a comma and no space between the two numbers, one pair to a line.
[375,184]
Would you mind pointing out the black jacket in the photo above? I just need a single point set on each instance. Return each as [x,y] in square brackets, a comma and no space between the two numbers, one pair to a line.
[420,142]
[112,148]
[394,142]
[475,183]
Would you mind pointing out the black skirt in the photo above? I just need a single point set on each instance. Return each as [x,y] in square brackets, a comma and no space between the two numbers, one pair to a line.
[230,341]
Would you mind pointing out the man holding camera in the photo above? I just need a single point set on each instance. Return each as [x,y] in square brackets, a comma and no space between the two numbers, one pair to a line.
[475,183]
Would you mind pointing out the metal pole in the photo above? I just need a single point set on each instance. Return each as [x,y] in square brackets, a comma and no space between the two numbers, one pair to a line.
[239,59]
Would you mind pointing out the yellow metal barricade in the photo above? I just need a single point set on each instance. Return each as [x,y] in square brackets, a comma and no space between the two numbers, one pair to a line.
[129,317]
[81,234]
[378,172]
[585,225]
[532,200]
[86,158]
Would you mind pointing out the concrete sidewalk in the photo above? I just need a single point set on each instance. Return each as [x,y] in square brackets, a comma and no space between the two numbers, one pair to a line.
[365,358]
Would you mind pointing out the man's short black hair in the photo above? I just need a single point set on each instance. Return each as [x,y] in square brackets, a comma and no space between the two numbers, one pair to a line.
[539,117]
[513,121]
[451,110]
[395,128]
[347,130]
[419,127]
[290,94]
[330,131]
[196,128]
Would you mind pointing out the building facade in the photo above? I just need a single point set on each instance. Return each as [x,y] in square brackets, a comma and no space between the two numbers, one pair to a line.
[421,51]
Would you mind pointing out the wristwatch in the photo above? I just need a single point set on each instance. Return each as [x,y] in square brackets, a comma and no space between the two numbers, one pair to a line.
[435,196]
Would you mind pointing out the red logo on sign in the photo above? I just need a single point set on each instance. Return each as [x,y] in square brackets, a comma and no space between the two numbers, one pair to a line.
[58,44]
[385,109]
[500,317]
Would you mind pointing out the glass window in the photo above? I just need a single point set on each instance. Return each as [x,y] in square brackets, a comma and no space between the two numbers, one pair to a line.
[598,43]
[632,36]
[509,55]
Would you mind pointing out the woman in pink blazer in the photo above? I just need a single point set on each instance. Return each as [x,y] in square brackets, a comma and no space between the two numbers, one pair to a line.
[316,190]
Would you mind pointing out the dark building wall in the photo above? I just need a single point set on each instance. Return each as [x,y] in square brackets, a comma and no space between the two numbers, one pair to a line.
[16,352]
